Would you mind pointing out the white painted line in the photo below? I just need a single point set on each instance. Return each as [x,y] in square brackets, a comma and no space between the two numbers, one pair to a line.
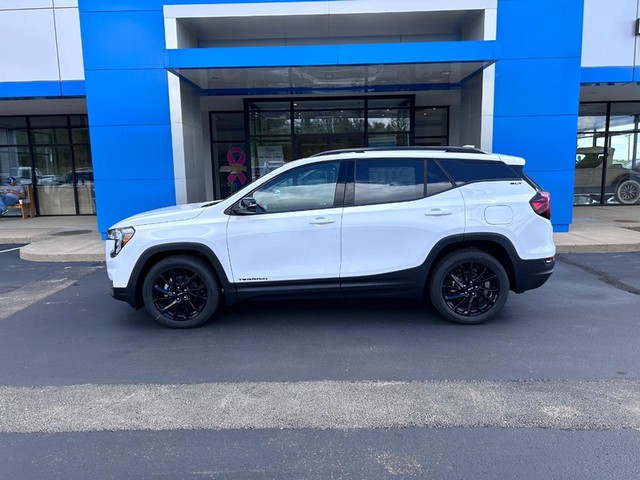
[10,250]
[16,300]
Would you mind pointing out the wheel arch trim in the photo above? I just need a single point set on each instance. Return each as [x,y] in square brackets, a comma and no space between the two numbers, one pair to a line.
[145,261]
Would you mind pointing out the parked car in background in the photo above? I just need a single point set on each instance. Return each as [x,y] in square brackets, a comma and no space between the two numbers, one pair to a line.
[621,183]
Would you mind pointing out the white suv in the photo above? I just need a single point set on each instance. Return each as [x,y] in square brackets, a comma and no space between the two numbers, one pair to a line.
[459,225]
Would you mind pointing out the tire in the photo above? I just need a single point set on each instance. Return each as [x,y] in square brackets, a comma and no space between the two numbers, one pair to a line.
[181,292]
[469,287]
[628,191]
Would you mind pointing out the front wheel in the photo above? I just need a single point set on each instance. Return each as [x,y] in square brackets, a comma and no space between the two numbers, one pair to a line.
[181,292]
[469,287]
[628,191]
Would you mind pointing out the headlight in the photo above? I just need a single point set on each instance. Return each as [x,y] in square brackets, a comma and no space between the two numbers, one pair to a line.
[121,237]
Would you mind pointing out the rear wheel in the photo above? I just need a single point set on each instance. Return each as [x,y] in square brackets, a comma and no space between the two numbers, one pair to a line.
[181,292]
[469,287]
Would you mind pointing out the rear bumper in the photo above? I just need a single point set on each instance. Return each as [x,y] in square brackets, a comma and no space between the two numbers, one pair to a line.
[530,274]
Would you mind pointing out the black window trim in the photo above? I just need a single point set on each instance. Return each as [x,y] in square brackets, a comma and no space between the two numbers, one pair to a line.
[484,180]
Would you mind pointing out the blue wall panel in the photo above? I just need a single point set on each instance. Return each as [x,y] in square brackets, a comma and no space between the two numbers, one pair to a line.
[129,197]
[537,92]
[541,140]
[540,28]
[112,40]
[607,74]
[537,87]
[127,97]
[137,152]
[65,88]
[128,107]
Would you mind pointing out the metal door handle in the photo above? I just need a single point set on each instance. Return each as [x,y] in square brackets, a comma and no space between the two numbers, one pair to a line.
[437,212]
[322,221]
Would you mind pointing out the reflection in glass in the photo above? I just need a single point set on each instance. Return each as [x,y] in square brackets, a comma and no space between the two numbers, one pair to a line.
[269,153]
[616,180]
[305,188]
[389,120]
[55,183]
[329,121]
[49,136]
[227,127]
[270,123]
[15,162]
[13,131]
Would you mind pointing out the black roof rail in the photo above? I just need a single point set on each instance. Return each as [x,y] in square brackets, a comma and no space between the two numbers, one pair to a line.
[447,149]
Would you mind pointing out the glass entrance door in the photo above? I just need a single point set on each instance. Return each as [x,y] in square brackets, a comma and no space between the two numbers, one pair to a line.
[310,144]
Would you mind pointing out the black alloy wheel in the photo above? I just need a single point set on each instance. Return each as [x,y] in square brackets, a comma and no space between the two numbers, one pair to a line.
[469,287]
[181,292]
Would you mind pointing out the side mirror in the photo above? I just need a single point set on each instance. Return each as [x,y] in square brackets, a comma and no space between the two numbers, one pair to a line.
[247,206]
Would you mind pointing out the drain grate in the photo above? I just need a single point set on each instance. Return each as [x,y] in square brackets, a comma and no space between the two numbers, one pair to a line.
[71,232]
[626,221]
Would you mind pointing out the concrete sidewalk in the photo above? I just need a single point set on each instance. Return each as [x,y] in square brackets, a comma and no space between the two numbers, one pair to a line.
[76,239]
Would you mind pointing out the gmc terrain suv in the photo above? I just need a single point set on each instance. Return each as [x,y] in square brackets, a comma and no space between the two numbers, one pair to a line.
[459,225]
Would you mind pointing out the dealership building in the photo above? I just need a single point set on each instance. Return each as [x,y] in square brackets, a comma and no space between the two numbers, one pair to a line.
[112,108]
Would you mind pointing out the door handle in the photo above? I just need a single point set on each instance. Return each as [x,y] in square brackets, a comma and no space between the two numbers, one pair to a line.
[437,212]
[322,221]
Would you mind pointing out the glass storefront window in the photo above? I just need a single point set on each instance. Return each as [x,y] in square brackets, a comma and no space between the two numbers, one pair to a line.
[15,162]
[227,127]
[329,121]
[51,153]
[389,120]
[48,121]
[624,116]
[232,167]
[270,123]
[267,154]
[13,131]
[390,139]
[431,122]
[80,135]
[279,131]
[607,161]
[50,136]
[83,178]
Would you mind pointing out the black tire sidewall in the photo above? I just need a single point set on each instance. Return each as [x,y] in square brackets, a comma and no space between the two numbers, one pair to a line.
[208,278]
[449,262]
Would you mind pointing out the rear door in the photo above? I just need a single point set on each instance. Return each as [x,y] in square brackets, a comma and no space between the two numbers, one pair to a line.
[396,210]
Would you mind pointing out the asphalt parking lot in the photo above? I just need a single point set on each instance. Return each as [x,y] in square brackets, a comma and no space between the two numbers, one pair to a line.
[322,389]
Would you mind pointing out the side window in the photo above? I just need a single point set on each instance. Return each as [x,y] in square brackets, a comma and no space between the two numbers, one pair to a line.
[437,180]
[386,181]
[306,188]
[466,171]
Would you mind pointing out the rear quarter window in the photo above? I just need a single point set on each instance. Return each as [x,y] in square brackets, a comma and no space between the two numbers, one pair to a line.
[468,171]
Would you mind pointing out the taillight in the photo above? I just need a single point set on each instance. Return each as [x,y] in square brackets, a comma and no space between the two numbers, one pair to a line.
[541,204]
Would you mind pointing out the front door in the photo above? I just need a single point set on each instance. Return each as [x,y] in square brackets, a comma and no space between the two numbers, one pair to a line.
[295,234]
